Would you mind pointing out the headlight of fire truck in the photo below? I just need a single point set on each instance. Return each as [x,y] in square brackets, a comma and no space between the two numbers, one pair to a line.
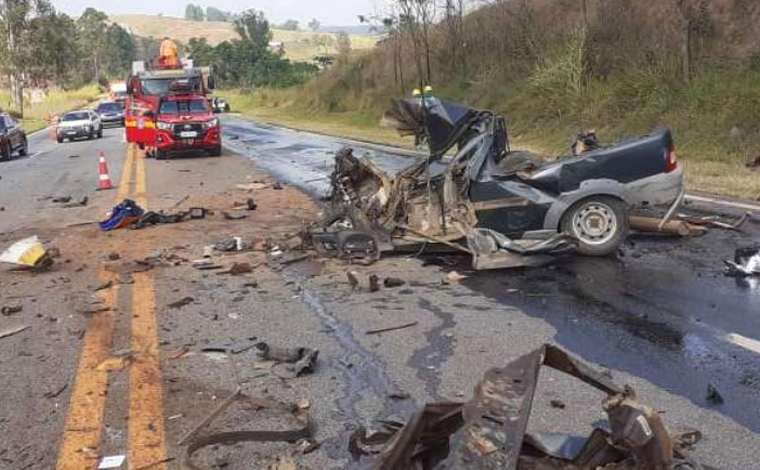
[210,124]
[164,126]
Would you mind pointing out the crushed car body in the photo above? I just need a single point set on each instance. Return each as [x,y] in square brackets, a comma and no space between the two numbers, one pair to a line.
[491,430]
[475,194]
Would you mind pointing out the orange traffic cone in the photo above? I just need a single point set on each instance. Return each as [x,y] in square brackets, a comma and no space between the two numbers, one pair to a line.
[104,181]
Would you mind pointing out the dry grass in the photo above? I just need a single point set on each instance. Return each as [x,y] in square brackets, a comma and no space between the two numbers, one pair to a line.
[299,45]
[731,179]
[36,116]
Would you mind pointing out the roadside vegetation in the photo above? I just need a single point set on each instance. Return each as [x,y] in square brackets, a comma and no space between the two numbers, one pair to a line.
[554,67]
[58,101]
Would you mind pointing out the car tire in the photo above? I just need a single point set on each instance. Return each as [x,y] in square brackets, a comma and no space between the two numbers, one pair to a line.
[100,133]
[599,223]
[160,154]
[91,135]
[24,151]
[6,152]
[216,151]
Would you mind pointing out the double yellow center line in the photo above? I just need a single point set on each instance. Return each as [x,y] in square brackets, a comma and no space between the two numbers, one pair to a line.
[80,446]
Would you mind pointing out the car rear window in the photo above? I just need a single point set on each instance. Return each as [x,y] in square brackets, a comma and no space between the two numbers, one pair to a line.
[184,107]
[76,117]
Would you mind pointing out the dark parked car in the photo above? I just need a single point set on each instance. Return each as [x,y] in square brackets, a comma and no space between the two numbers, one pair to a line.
[12,138]
[111,114]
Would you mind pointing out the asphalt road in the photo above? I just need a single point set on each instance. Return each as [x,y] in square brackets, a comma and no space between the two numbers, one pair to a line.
[661,317]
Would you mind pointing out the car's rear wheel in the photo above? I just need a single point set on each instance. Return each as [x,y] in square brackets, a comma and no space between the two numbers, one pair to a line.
[100,133]
[24,148]
[599,223]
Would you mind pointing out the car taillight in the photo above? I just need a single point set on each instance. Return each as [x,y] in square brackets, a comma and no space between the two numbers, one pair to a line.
[671,159]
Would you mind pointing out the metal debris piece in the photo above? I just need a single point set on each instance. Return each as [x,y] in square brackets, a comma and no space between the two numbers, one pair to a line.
[374,283]
[392,328]
[8,332]
[184,302]
[296,361]
[392,282]
[490,431]
[234,215]
[746,262]
[9,310]
[353,279]
[103,286]
[231,244]
[713,396]
[297,414]
[306,446]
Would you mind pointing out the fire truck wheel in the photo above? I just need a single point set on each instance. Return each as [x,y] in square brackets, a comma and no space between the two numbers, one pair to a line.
[160,154]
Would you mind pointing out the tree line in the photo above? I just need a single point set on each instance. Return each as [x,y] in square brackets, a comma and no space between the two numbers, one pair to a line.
[247,61]
[41,47]
[197,13]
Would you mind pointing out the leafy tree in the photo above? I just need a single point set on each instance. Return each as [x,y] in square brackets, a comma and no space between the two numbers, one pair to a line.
[92,31]
[120,50]
[314,25]
[199,50]
[290,25]
[55,55]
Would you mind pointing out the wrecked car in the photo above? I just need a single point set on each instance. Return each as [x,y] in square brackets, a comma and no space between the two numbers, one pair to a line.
[474,193]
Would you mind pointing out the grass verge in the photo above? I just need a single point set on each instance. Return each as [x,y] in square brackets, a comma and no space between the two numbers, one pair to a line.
[37,116]
[727,177]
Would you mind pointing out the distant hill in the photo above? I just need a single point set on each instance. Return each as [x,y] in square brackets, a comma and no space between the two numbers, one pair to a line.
[299,45]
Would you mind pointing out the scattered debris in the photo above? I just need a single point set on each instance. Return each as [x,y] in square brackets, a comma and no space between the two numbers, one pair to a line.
[125,214]
[93,309]
[713,396]
[374,283]
[392,328]
[353,279]
[8,332]
[252,206]
[278,186]
[27,253]
[181,303]
[234,215]
[283,463]
[103,286]
[299,361]
[238,269]
[206,265]
[746,263]
[115,461]
[490,431]
[116,363]
[177,354]
[114,256]
[131,267]
[67,204]
[9,310]
[62,200]
[297,414]
[454,276]
[231,244]
[392,282]
[558,404]
[715,222]
[306,446]
[57,393]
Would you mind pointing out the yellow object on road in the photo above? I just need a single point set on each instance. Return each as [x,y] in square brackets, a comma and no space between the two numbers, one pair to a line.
[27,252]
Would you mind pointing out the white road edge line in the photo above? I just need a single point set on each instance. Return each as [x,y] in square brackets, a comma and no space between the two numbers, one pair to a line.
[720,202]
[744,342]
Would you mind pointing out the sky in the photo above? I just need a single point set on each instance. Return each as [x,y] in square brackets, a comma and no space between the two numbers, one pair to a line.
[328,12]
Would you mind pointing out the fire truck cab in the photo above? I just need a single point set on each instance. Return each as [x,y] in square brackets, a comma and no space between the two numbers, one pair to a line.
[152,84]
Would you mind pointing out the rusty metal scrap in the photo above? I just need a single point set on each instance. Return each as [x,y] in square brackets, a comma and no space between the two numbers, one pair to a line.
[489,432]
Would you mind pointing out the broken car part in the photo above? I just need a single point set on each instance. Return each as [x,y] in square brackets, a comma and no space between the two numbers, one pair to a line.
[297,361]
[490,431]
[746,262]
[27,253]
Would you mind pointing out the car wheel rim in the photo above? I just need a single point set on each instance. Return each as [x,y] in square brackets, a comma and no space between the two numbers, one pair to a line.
[595,223]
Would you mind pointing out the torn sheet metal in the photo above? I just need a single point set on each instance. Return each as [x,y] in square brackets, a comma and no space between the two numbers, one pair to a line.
[297,414]
[746,263]
[489,432]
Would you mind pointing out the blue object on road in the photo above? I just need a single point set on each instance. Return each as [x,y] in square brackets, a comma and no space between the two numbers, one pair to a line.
[125,214]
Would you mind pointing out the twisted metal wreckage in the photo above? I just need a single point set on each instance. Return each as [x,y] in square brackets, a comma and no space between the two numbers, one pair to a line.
[503,207]
[489,431]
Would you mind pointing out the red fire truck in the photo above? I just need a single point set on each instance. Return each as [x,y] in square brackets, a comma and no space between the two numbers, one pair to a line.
[151,83]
